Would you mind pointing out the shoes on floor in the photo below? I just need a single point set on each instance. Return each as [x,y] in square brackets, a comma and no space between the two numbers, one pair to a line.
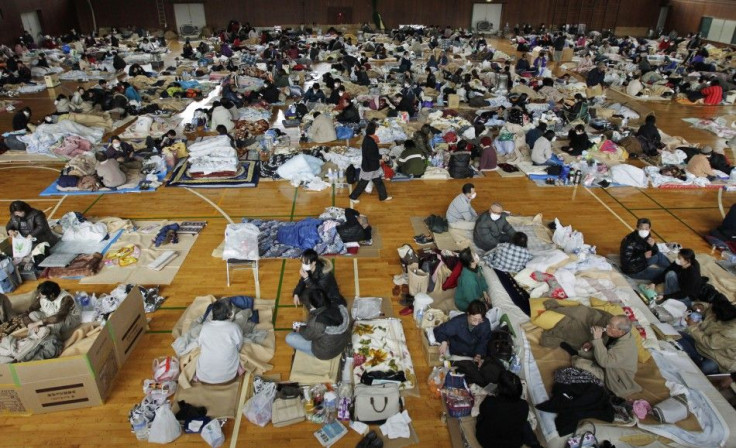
[355,201]
[406,300]
[423,239]
[371,440]
[396,291]
[401,279]
[407,311]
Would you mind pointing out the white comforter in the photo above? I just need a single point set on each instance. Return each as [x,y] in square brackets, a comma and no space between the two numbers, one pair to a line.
[47,135]
[213,155]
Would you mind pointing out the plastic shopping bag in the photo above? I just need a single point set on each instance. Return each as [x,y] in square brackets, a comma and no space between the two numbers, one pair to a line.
[22,246]
[165,369]
[212,434]
[241,242]
[165,428]
[259,407]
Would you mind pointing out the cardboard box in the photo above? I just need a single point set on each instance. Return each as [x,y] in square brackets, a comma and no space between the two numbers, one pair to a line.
[51,81]
[73,382]
[431,352]
[567,54]
[453,101]
[127,325]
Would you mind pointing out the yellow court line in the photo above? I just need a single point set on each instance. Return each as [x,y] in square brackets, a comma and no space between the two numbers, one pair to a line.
[628,226]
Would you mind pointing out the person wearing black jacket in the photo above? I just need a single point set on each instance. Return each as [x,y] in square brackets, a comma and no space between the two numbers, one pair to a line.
[681,279]
[27,221]
[502,422]
[522,65]
[370,168]
[596,76]
[316,273]
[559,44]
[640,258]
[361,76]
[579,141]
[22,119]
[118,62]
[350,114]
[431,82]
[649,135]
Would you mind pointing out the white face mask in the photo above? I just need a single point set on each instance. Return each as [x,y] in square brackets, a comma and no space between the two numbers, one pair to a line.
[553,139]
[56,102]
[678,262]
[473,195]
[306,267]
[116,145]
[27,114]
[495,216]
[643,233]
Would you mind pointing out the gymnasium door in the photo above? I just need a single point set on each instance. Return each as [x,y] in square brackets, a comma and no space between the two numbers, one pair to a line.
[189,14]
[488,15]
[31,23]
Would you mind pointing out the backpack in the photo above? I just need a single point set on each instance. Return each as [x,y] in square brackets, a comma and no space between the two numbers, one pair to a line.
[501,344]
[436,223]
[351,175]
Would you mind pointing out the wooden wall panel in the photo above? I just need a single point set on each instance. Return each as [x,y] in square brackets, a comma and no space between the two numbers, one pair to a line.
[57,16]
[685,15]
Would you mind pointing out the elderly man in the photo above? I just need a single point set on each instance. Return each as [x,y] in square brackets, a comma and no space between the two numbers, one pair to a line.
[492,228]
[611,355]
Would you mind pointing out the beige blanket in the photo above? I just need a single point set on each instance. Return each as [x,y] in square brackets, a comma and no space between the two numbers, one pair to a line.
[724,281]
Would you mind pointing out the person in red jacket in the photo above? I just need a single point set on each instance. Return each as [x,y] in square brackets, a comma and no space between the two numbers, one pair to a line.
[713,93]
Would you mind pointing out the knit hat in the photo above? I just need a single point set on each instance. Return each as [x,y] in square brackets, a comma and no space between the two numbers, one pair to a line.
[706,150]
[485,141]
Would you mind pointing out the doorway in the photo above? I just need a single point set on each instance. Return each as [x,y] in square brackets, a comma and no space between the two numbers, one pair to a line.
[339,15]
[486,17]
[191,14]
[31,23]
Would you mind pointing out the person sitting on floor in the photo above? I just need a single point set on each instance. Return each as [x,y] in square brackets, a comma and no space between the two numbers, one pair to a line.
[681,279]
[327,331]
[716,160]
[108,171]
[611,355]
[596,76]
[314,94]
[322,129]
[55,309]
[492,228]
[711,344]
[62,105]
[503,418]
[119,150]
[534,134]
[471,285]
[412,160]
[579,141]
[649,136]
[542,153]
[635,87]
[316,272]
[461,216]
[699,164]
[510,257]
[465,334]
[713,93]
[640,257]
[220,341]
[27,221]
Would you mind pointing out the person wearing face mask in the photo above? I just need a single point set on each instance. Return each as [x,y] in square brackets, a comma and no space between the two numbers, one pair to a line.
[579,141]
[542,153]
[491,229]
[327,330]
[461,216]
[316,273]
[119,150]
[471,285]
[640,257]
[681,279]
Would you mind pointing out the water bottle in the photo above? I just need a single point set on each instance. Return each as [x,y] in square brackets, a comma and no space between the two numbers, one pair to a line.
[625,122]
[420,315]
[330,177]
[515,365]
[140,428]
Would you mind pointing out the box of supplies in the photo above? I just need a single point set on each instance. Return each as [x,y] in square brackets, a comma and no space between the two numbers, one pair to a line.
[51,81]
[453,101]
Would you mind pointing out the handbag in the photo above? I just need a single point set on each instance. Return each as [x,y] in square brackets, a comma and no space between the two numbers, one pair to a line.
[407,255]
[165,369]
[583,439]
[375,404]
[418,281]
[287,411]
[501,344]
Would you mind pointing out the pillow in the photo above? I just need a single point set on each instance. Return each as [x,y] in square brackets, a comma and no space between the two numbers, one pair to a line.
[451,281]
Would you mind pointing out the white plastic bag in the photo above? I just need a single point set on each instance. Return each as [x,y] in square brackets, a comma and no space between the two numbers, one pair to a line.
[212,434]
[569,240]
[259,407]
[22,246]
[241,242]
[366,308]
[165,369]
[164,428]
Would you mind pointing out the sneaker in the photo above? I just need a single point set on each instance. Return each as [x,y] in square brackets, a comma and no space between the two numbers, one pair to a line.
[354,201]
[388,198]
[423,240]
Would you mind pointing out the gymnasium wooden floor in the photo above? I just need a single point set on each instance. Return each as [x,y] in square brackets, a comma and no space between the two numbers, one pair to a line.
[604,216]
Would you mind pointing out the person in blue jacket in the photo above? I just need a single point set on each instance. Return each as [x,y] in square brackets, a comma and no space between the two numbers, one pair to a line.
[467,334]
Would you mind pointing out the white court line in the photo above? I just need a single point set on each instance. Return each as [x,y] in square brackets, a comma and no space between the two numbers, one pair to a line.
[720,202]
[628,226]
[222,212]
[58,204]
[356,277]
[29,166]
